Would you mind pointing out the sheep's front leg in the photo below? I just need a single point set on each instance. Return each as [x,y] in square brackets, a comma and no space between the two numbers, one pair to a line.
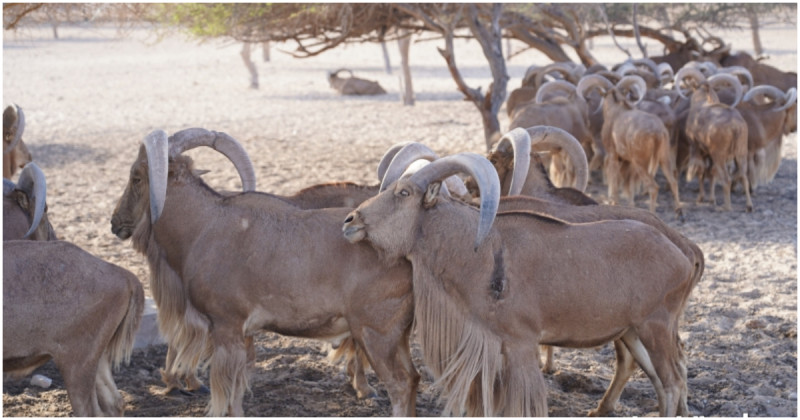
[391,360]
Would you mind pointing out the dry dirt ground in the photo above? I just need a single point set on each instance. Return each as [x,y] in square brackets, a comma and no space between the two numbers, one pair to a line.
[91,96]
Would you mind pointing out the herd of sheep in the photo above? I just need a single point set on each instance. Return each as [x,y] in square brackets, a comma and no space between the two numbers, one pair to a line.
[485,258]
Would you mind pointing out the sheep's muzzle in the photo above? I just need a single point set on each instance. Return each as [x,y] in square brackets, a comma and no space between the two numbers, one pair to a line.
[353,228]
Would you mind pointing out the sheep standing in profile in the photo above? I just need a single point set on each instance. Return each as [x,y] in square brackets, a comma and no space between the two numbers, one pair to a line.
[353,85]
[62,303]
[223,268]
[482,306]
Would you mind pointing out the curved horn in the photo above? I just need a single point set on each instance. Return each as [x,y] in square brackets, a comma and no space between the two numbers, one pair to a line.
[590,82]
[647,63]
[519,140]
[729,79]
[626,68]
[405,157]
[688,72]
[156,144]
[8,187]
[552,87]
[635,84]
[32,181]
[19,128]
[740,71]
[770,91]
[555,137]
[191,138]
[484,174]
[383,165]
[666,73]
[530,74]
[790,98]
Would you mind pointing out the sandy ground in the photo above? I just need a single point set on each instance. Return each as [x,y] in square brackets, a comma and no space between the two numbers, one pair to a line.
[91,96]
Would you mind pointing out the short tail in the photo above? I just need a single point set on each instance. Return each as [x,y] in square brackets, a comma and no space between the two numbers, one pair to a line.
[121,346]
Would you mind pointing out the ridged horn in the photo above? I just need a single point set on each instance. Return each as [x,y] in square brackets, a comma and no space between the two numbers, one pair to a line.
[790,98]
[156,144]
[390,153]
[740,71]
[554,137]
[687,72]
[518,141]
[8,187]
[728,79]
[403,158]
[565,69]
[553,86]
[19,127]
[666,73]
[650,64]
[32,181]
[635,84]
[591,81]
[191,138]
[485,176]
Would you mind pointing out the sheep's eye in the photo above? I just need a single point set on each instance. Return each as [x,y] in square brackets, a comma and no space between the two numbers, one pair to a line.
[136,181]
[403,193]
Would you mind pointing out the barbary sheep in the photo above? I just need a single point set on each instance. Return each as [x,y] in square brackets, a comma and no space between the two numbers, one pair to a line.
[15,152]
[767,123]
[569,113]
[327,195]
[25,207]
[62,303]
[580,212]
[636,144]
[481,306]
[717,133]
[272,267]
[353,85]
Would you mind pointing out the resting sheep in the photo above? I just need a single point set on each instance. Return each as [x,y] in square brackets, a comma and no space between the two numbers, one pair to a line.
[273,267]
[15,152]
[62,303]
[482,306]
[25,207]
[353,85]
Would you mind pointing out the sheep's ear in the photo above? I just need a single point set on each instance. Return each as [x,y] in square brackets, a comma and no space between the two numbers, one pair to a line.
[431,194]
[200,172]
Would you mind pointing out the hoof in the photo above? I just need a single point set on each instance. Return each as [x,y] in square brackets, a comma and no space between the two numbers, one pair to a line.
[749,209]
[176,393]
[203,390]
[679,214]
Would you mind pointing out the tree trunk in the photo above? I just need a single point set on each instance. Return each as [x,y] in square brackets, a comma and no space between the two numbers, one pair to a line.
[754,26]
[386,62]
[251,67]
[406,87]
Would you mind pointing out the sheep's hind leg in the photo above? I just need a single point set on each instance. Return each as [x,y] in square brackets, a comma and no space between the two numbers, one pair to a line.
[625,367]
[666,361]
[79,379]
[741,170]
[108,396]
[356,364]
